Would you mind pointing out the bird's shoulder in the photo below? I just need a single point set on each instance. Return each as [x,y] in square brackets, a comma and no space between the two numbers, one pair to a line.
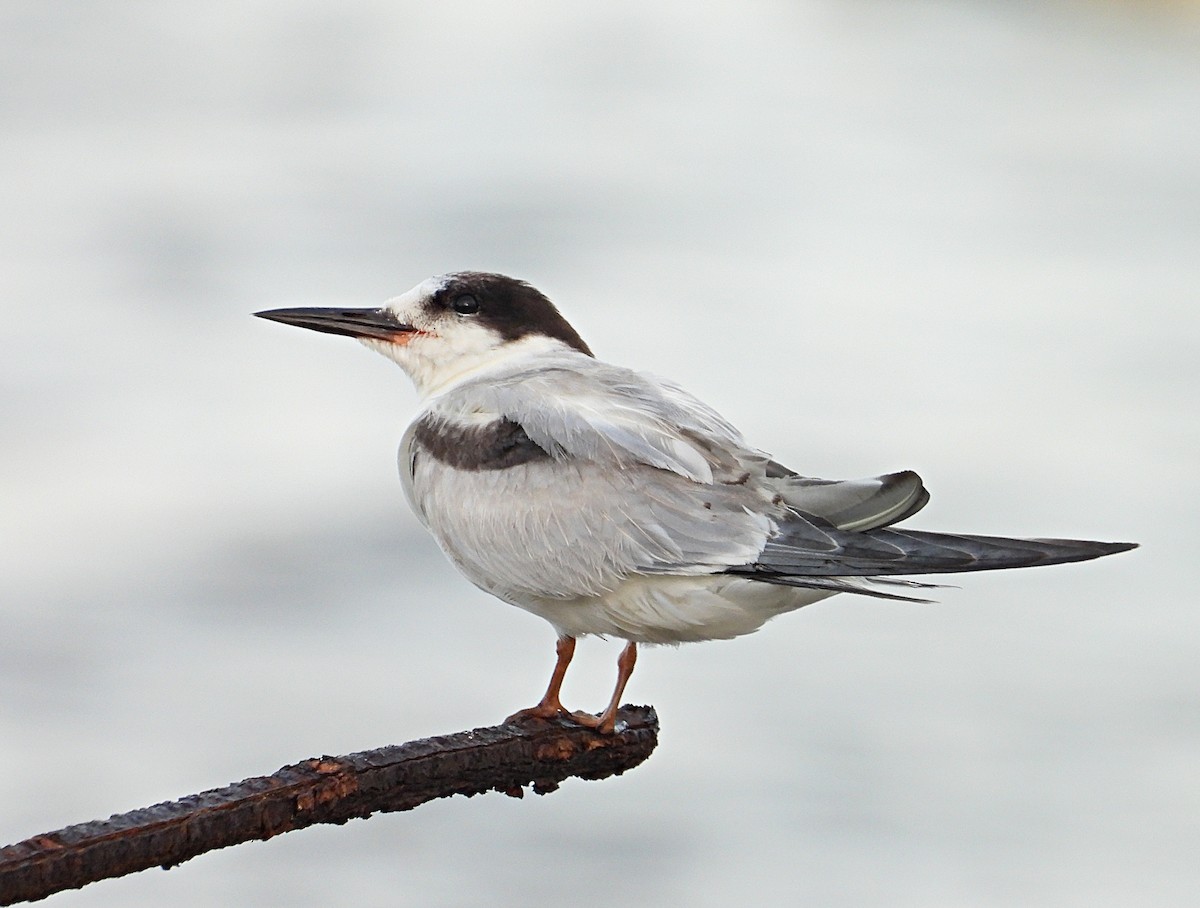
[574,406]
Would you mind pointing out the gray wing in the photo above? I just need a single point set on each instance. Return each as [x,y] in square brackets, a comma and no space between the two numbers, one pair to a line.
[606,414]
[642,478]
[810,548]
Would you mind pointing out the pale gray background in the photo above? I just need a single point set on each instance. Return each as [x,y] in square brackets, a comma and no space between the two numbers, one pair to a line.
[958,237]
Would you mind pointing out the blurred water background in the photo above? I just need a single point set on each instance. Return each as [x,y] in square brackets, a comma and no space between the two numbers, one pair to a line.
[959,237]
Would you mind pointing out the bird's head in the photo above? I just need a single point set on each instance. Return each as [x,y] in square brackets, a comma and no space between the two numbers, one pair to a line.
[449,326]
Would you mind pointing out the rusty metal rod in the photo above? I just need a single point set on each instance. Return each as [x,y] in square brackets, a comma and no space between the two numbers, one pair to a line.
[325,790]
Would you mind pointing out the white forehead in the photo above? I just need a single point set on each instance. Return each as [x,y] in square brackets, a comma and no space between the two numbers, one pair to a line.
[410,299]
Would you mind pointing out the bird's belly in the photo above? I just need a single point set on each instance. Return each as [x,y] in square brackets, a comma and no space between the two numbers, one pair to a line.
[520,532]
[570,530]
[663,609]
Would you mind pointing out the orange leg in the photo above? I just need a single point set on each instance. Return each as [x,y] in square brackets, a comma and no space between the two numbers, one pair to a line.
[606,722]
[550,706]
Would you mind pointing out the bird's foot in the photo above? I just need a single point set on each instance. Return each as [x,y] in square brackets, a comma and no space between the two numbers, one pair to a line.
[604,724]
[541,711]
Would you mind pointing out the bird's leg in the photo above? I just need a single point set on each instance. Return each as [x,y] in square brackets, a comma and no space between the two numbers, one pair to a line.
[606,722]
[550,706]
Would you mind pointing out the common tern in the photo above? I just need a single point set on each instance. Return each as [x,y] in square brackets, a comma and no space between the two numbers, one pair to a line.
[612,502]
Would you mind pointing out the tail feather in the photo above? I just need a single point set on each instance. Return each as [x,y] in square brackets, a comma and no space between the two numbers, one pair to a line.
[862,586]
[804,548]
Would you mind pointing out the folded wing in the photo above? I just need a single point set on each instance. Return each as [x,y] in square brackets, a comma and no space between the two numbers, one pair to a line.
[810,547]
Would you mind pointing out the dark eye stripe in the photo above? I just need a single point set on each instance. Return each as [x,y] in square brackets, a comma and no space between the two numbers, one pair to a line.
[510,308]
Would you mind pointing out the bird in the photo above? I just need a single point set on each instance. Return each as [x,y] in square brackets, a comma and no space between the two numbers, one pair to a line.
[612,502]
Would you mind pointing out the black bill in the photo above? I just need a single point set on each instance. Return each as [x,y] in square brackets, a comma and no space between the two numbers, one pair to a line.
[349,322]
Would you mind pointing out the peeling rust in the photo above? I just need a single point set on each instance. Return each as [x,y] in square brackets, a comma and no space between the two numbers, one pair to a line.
[326,765]
[558,750]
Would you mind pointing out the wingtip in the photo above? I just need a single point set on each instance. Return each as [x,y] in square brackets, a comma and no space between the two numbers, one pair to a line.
[1116,547]
[1081,550]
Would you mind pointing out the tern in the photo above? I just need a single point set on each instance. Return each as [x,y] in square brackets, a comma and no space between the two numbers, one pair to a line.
[612,502]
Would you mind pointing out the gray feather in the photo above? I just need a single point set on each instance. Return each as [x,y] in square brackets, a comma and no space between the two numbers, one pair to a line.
[856,504]
[805,548]
[842,585]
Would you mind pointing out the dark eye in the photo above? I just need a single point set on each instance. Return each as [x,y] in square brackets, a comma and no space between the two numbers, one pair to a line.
[465,304]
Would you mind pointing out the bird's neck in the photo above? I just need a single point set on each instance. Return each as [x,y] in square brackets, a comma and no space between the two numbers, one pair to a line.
[434,378]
